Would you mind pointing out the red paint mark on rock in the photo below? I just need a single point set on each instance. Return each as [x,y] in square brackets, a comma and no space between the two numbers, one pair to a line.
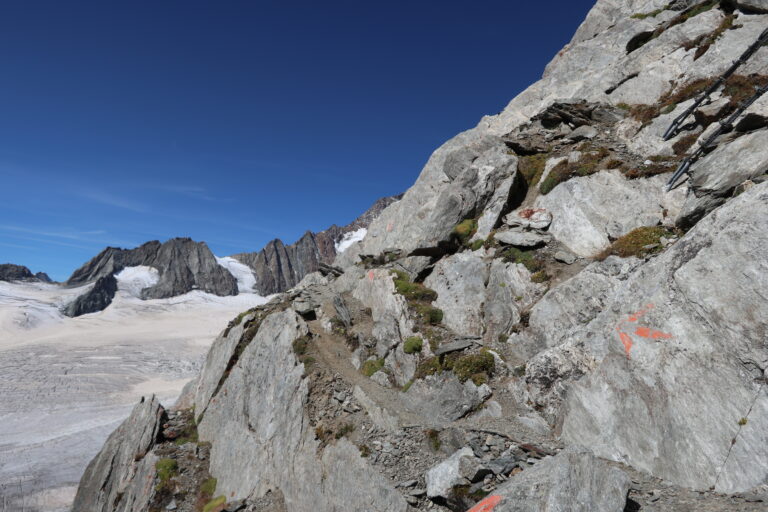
[390,227]
[627,341]
[645,332]
[370,275]
[487,505]
[528,212]
[641,331]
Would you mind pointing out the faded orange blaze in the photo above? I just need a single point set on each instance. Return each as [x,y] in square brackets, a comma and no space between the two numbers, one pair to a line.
[645,332]
[626,341]
[487,505]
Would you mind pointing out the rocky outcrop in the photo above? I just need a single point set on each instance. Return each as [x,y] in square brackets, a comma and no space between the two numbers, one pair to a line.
[680,391]
[96,299]
[120,478]
[184,265]
[269,444]
[574,480]
[721,172]
[11,272]
[278,267]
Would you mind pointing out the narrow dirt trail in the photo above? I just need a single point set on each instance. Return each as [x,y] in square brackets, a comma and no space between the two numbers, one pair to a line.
[336,356]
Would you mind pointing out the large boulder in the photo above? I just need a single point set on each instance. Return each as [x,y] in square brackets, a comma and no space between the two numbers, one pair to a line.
[574,480]
[588,212]
[460,179]
[120,478]
[391,321]
[459,281]
[679,389]
[443,477]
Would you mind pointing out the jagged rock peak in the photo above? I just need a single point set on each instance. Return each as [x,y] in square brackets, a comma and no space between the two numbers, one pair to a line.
[183,265]
[278,267]
[11,272]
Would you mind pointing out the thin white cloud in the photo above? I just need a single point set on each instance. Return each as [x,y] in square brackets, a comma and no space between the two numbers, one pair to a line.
[69,233]
[109,199]
[17,246]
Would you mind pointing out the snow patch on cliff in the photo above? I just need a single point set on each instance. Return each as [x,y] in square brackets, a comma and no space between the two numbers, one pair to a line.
[134,279]
[246,281]
[350,238]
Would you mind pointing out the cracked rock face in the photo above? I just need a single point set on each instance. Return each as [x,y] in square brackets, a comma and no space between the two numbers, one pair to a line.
[680,391]
[269,443]
[574,480]
[120,478]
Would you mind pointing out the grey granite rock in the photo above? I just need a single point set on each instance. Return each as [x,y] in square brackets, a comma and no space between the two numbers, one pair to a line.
[573,481]
[520,238]
[716,175]
[678,390]
[459,281]
[529,219]
[262,438]
[442,398]
[120,478]
[443,477]
[588,211]
[392,322]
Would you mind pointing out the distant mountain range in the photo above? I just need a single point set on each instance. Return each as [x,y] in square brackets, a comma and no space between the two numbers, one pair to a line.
[184,265]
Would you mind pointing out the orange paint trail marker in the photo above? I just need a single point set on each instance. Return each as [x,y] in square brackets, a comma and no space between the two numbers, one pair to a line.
[487,505]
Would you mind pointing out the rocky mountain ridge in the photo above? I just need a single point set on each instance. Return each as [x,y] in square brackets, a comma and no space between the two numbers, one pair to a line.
[11,272]
[278,267]
[536,325]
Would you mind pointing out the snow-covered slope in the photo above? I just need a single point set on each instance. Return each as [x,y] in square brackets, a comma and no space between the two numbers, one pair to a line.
[244,275]
[349,239]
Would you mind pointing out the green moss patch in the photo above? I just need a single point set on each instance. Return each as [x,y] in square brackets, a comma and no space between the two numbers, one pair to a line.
[430,366]
[464,230]
[413,345]
[412,291]
[372,366]
[478,367]
[652,14]
[529,258]
[166,469]
[216,505]
[587,164]
[532,167]
[639,242]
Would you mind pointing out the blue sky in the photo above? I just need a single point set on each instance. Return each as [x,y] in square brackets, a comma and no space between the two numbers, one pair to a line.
[237,122]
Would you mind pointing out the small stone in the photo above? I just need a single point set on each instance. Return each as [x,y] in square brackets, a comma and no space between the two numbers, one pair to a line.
[408,483]
[172,505]
[565,257]
[418,492]
[411,500]
[584,132]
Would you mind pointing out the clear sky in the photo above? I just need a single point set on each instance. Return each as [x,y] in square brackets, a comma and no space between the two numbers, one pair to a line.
[235,122]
